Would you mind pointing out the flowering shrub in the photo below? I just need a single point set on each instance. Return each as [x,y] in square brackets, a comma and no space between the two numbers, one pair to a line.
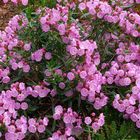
[68,68]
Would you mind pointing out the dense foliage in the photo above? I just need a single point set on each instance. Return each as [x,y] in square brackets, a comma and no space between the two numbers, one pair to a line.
[70,69]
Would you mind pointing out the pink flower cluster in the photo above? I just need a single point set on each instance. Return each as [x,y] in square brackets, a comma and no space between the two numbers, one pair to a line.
[124,3]
[129,106]
[126,20]
[73,123]
[92,79]
[125,72]
[97,123]
[13,100]
[38,55]
[4,75]
[9,57]
[24,2]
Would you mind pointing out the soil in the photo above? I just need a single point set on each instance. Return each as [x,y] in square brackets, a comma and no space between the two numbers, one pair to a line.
[7,11]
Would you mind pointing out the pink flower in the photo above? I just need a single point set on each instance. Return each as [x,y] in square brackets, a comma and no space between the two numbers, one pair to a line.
[24,106]
[135,33]
[101,120]
[53,93]
[127,81]
[48,55]
[92,69]
[132,100]
[27,47]
[58,109]
[83,74]
[70,76]
[120,73]
[32,121]
[45,28]
[61,29]
[14,66]
[121,108]
[21,86]
[68,131]
[45,121]
[43,92]
[6,79]
[88,120]
[24,2]
[82,6]
[69,119]
[95,126]
[110,80]
[134,117]
[62,85]
[84,92]
[26,68]
[11,129]
[43,20]
[41,128]
[73,50]
[37,55]
[130,109]
[32,129]
[120,58]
